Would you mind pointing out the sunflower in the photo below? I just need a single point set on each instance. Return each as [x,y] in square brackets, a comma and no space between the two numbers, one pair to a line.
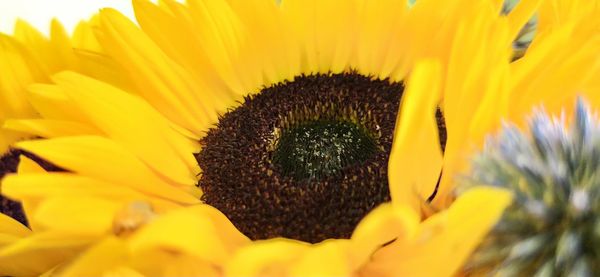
[266,139]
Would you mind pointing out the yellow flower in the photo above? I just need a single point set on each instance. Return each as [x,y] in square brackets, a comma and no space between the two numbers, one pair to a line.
[204,167]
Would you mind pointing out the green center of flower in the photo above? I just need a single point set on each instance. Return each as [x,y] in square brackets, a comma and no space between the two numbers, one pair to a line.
[318,149]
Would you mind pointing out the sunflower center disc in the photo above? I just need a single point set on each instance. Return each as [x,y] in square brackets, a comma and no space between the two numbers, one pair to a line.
[318,149]
[304,159]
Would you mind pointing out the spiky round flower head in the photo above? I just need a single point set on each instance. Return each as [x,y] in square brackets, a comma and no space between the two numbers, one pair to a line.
[553,226]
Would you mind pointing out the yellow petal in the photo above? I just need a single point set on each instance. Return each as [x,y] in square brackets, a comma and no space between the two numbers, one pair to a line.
[48,128]
[27,165]
[19,68]
[200,231]
[164,262]
[30,205]
[52,103]
[185,46]
[125,117]
[383,225]
[477,78]
[381,43]
[9,226]
[82,215]
[40,46]
[271,48]
[123,271]
[265,258]
[329,258]
[39,253]
[221,33]
[108,254]
[323,30]
[95,156]
[285,257]
[416,160]
[162,82]
[444,240]
[61,49]
[83,35]
[35,186]
[335,35]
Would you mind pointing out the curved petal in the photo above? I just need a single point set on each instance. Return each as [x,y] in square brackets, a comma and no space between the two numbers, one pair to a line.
[109,253]
[200,231]
[381,226]
[9,226]
[444,240]
[48,128]
[162,82]
[125,118]
[95,157]
[416,161]
[39,253]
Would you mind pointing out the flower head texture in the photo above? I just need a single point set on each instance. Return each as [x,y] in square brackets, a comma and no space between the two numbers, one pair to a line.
[550,229]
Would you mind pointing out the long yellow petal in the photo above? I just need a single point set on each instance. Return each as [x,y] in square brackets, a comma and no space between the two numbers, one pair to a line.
[94,157]
[271,48]
[185,46]
[51,102]
[83,215]
[124,118]
[33,186]
[380,43]
[416,160]
[164,84]
[48,128]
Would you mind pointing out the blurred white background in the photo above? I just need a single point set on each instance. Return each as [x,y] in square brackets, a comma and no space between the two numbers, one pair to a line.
[39,12]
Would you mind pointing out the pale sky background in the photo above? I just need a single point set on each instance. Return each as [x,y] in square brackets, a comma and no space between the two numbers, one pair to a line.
[39,12]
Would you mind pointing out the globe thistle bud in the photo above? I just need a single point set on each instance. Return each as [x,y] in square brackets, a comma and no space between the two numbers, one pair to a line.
[553,226]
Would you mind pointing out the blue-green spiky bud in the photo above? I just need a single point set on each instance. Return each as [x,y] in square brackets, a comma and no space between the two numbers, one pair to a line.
[553,226]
